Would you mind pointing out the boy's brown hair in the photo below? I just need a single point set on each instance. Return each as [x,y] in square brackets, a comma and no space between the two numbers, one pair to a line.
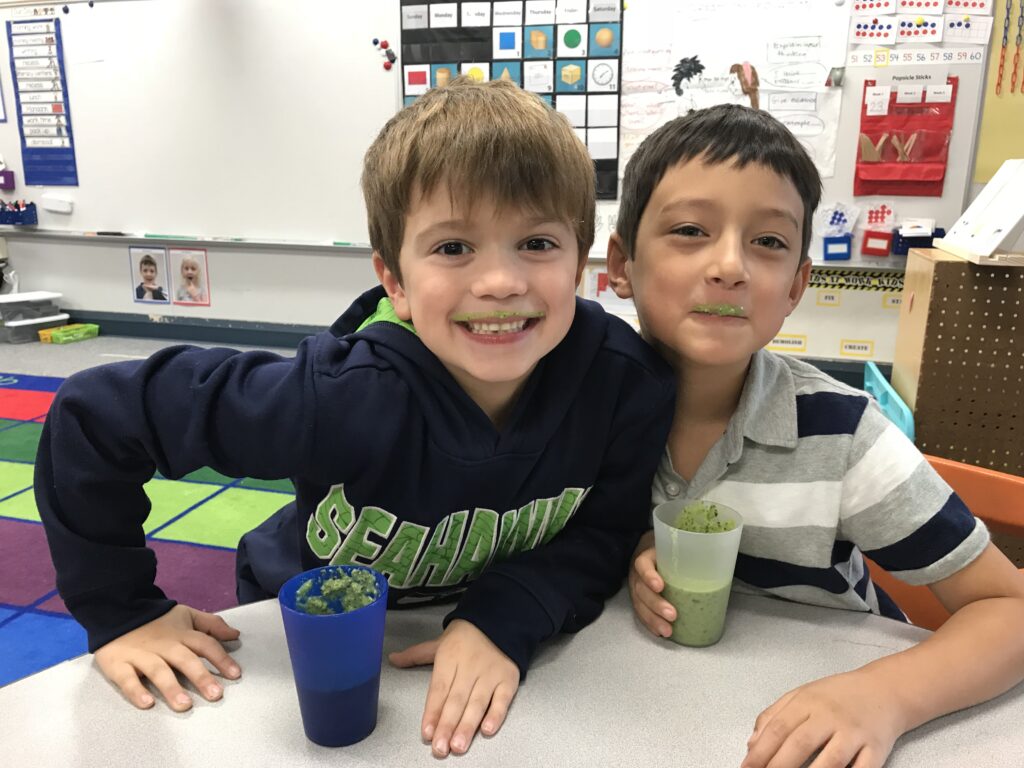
[147,259]
[727,133]
[478,139]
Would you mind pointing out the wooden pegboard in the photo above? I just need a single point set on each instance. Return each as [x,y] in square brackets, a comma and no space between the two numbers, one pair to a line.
[970,395]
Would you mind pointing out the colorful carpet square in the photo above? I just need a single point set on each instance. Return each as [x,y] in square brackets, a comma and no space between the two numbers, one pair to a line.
[193,527]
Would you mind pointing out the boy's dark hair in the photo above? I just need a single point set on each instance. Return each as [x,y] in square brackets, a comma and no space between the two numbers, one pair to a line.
[727,133]
[147,259]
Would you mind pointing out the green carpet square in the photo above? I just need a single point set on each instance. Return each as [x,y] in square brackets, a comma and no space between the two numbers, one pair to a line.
[14,477]
[20,507]
[222,520]
[269,485]
[19,443]
[207,475]
[170,498]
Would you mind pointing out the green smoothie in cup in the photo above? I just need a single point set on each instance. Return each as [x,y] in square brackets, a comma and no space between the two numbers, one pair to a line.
[701,612]
[697,543]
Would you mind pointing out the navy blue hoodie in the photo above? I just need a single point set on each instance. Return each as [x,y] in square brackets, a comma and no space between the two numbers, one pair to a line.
[394,466]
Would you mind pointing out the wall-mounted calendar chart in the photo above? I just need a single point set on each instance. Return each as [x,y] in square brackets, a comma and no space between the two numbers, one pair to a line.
[568,52]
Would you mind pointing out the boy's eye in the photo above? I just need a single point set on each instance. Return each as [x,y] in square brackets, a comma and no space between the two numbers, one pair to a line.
[539,244]
[772,242]
[452,248]
[689,230]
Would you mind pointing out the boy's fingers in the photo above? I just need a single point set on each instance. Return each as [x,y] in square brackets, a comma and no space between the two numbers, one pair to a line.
[163,677]
[868,757]
[183,659]
[652,621]
[654,602]
[213,625]
[123,675]
[766,716]
[500,702]
[476,708]
[791,743]
[451,714]
[208,648]
[645,568]
[437,693]
[415,655]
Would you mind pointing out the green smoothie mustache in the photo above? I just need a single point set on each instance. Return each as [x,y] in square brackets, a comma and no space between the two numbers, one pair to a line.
[721,310]
[474,317]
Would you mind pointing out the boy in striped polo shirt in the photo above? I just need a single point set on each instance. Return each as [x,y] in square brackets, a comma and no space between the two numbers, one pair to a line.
[712,245]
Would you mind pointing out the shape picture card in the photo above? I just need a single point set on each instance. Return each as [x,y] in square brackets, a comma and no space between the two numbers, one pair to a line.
[417,79]
[873,7]
[912,28]
[867,30]
[478,70]
[572,40]
[969,6]
[967,29]
[920,6]
[508,43]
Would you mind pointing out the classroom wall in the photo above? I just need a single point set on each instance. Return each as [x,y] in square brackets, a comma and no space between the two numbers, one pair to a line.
[285,284]
[273,286]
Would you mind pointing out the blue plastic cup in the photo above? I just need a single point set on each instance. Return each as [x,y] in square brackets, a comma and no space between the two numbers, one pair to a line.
[335,659]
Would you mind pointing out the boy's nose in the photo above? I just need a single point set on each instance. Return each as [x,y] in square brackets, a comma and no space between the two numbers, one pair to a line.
[728,265]
[499,276]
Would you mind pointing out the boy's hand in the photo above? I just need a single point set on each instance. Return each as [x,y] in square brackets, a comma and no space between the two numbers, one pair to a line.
[850,717]
[645,586]
[178,640]
[472,681]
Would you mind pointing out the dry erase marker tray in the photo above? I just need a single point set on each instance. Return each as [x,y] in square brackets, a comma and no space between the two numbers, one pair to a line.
[22,216]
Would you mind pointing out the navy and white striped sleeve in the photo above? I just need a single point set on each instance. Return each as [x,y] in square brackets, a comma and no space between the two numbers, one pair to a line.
[898,510]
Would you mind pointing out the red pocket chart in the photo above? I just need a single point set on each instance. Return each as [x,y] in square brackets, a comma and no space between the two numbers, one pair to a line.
[903,152]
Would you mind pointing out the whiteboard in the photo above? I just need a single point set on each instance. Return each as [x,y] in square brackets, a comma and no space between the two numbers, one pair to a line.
[229,118]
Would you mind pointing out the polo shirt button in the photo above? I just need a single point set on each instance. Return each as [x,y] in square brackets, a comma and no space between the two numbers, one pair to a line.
[672,489]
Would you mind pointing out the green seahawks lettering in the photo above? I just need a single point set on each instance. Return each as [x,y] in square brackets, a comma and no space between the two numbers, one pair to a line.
[457,549]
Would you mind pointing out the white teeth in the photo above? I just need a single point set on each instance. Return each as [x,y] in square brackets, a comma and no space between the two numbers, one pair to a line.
[496,328]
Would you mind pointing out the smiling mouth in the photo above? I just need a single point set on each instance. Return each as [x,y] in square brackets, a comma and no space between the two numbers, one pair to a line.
[497,323]
[720,310]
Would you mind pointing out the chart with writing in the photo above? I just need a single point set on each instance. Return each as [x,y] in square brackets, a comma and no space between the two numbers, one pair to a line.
[568,52]
[40,92]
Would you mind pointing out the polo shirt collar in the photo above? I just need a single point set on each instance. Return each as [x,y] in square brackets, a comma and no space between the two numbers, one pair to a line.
[766,412]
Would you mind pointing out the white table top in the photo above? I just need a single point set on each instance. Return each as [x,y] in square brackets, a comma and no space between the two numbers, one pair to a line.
[612,695]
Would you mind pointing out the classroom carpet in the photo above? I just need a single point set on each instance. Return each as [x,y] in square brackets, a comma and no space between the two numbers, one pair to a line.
[194,528]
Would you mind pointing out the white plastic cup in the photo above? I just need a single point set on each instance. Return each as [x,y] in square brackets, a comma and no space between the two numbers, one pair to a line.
[697,569]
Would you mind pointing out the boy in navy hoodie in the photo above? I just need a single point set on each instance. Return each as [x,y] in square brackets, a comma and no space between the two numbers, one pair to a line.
[469,428]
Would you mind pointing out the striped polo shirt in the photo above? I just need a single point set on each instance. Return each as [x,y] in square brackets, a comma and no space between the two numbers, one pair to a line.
[820,476]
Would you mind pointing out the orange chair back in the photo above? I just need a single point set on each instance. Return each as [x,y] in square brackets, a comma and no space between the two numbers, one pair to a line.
[995,497]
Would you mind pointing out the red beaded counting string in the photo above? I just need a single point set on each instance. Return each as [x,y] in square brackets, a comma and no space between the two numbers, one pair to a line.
[1016,55]
[1002,52]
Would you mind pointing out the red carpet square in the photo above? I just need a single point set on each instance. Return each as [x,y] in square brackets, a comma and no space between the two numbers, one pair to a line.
[24,405]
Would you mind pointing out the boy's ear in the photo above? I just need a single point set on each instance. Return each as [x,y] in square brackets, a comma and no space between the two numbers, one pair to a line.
[393,286]
[800,280]
[619,267]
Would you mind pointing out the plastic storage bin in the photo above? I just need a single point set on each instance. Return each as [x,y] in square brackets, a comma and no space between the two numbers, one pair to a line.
[20,331]
[891,403]
[67,334]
